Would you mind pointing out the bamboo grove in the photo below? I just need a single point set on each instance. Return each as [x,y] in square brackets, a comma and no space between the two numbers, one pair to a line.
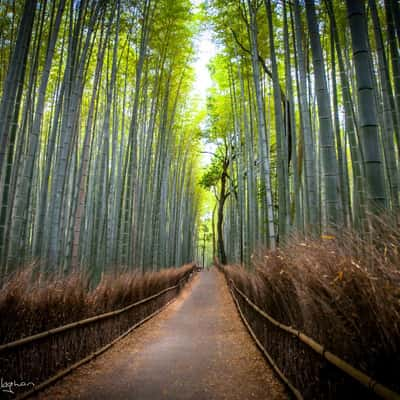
[100,133]
[97,153]
[305,113]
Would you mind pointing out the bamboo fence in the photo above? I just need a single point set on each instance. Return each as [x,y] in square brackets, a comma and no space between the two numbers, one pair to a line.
[43,358]
[369,387]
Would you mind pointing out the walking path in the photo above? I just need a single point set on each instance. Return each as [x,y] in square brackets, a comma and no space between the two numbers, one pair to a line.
[197,349]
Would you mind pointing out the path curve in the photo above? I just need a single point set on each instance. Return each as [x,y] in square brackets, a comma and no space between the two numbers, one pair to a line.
[196,349]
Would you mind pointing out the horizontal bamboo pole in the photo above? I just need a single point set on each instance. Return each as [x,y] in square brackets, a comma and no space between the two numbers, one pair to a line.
[51,332]
[90,357]
[348,369]
[285,380]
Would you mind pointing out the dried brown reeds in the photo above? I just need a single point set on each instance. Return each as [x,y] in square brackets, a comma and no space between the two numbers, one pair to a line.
[342,291]
[30,303]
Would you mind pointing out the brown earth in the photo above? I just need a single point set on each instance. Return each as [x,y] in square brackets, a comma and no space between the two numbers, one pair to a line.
[196,349]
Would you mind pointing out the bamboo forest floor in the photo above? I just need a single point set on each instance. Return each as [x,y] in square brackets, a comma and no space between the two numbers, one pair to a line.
[198,348]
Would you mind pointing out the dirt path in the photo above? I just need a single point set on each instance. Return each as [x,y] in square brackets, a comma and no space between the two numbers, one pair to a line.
[196,349]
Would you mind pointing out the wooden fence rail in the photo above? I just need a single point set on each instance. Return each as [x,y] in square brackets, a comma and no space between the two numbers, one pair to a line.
[358,376]
[40,359]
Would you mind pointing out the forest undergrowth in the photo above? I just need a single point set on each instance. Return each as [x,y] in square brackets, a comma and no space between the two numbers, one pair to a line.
[342,291]
[31,303]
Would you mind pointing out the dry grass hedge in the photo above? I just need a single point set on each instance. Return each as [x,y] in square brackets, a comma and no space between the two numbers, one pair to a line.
[30,303]
[343,292]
